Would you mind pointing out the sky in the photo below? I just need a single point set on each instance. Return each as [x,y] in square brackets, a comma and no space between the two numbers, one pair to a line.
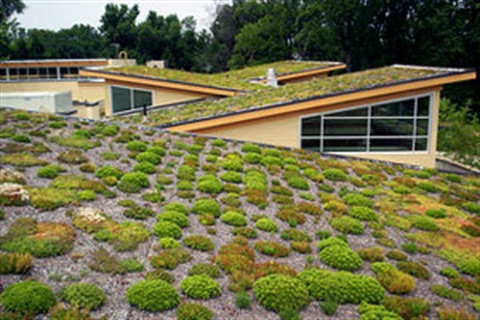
[58,14]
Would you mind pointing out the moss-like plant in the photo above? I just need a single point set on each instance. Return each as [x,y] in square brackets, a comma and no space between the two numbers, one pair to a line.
[199,242]
[176,217]
[392,279]
[337,254]
[200,287]
[153,295]
[334,174]
[164,229]
[170,258]
[133,182]
[347,225]
[27,297]
[206,269]
[363,213]
[279,292]
[84,295]
[266,224]
[271,248]
[209,184]
[194,311]
[15,263]
[206,206]
[234,219]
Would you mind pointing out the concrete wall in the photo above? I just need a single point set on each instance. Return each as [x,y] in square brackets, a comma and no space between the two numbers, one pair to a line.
[284,131]
[41,86]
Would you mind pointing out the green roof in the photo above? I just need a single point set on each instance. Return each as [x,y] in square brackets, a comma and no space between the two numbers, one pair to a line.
[316,88]
[240,79]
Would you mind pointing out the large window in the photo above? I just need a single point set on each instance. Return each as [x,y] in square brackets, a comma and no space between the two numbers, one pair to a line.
[396,126]
[127,99]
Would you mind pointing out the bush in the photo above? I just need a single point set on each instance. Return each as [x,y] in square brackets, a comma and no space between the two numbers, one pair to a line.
[280,292]
[242,300]
[132,265]
[202,206]
[266,224]
[392,279]
[200,287]
[341,287]
[178,218]
[410,247]
[356,199]
[248,233]
[206,269]
[84,295]
[466,285]
[15,263]
[137,212]
[194,311]
[178,207]
[340,257]
[145,167]
[347,225]
[153,295]
[374,312]
[408,308]
[449,273]
[436,213]
[165,229]
[133,182]
[334,174]
[169,243]
[250,147]
[232,176]
[136,146]
[363,213]
[423,223]
[149,157]
[209,184]
[271,248]
[446,292]
[252,158]
[108,171]
[414,268]
[199,242]
[50,171]
[296,235]
[170,258]
[374,254]
[329,307]
[291,214]
[427,186]
[471,207]
[298,182]
[234,219]
[111,130]
[27,297]
[449,313]
[397,255]
[160,275]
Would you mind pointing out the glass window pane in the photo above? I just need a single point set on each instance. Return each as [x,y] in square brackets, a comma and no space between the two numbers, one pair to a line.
[33,73]
[311,144]
[390,145]
[52,72]
[3,74]
[22,72]
[120,99]
[345,127]
[423,107]
[360,112]
[422,127]
[141,98]
[311,126]
[421,144]
[43,73]
[346,145]
[403,108]
[391,127]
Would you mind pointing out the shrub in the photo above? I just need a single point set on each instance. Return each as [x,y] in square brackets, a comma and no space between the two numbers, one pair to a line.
[111,130]
[436,213]
[137,212]
[178,218]
[178,207]
[374,254]
[50,171]
[291,214]
[27,297]
[271,248]
[136,146]
[108,171]
[149,157]
[159,275]
[72,157]
[266,224]
[414,268]
[392,279]
[341,287]
[397,255]
[410,247]
[84,295]
[193,311]
[296,235]
[15,263]
[153,295]
[347,225]
[408,308]
[471,207]
[199,242]
[200,287]
[250,147]
[209,184]
[169,243]
[466,285]
[164,229]
[374,312]
[339,256]
[446,292]
[270,160]
[363,213]
[356,199]
[248,233]
[234,219]
[132,265]
[242,300]
[104,262]
[202,206]
[61,312]
[298,182]
[170,258]
[133,182]
[206,269]
[301,246]
[423,223]
[145,167]
[279,292]
[334,174]
[329,307]
[252,158]
[453,313]
[232,176]
[449,273]
[427,186]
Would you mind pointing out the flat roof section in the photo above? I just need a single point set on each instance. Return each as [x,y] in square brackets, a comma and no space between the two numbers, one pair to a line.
[304,95]
[53,63]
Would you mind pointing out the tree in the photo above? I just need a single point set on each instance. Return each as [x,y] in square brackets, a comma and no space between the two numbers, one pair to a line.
[9,8]
[8,25]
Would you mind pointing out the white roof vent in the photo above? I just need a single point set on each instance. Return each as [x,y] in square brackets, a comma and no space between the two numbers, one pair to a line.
[272,78]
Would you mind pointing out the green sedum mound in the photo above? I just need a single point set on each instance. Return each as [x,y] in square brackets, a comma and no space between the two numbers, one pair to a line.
[341,287]
[84,295]
[347,225]
[279,292]
[200,287]
[363,213]
[164,229]
[234,219]
[374,312]
[194,311]
[338,255]
[27,297]
[153,295]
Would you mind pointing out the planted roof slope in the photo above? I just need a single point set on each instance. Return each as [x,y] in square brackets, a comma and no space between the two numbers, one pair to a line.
[240,79]
[295,92]
[429,218]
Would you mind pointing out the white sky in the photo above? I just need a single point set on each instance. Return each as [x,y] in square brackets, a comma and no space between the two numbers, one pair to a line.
[58,14]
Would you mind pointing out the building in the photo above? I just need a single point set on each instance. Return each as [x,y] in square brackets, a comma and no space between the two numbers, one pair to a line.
[388,113]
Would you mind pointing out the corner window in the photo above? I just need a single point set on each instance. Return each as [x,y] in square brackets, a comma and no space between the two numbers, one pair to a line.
[126,99]
[396,126]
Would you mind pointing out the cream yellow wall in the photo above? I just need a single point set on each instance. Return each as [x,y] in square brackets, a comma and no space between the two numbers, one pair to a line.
[91,91]
[48,86]
[161,96]
[284,131]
